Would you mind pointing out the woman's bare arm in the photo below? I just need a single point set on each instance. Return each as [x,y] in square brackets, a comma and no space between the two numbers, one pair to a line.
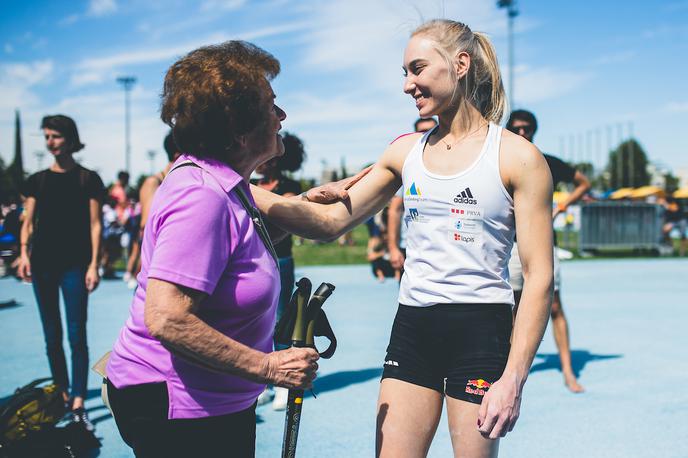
[24,267]
[327,222]
[170,316]
[531,182]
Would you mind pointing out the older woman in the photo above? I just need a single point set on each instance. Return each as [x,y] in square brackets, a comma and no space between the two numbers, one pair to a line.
[195,352]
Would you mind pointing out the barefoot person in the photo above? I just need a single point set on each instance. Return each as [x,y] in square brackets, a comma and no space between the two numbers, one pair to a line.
[468,187]
[523,123]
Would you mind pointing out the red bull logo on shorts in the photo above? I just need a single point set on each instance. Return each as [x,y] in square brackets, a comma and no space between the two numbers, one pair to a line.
[477,386]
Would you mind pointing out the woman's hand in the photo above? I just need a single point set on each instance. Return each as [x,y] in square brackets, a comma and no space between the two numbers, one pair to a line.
[24,268]
[292,368]
[92,278]
[500,408]
[335,191]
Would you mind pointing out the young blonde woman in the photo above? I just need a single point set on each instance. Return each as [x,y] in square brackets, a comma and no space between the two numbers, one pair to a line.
[469,186]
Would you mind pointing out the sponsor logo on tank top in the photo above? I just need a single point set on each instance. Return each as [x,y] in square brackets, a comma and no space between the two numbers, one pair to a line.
[469,225]
[389,362]
[415,216]
[413,193]
[463,238]
[468,213]
[477,386]
[413,190]
[465,197]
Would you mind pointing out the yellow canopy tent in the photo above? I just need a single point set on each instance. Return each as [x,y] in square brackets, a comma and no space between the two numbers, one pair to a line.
[681,193]
[621,193]
[559,197]
[647,191]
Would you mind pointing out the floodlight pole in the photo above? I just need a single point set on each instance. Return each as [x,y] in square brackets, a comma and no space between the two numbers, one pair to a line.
[512,12]
[127,83]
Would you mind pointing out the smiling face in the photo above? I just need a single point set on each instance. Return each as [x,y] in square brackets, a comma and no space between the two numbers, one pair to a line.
[54,142]
[428,77]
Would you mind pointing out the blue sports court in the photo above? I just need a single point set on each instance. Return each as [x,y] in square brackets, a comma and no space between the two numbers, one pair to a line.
[627,320]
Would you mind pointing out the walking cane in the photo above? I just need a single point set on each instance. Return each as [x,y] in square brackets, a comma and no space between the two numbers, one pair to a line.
[306,321]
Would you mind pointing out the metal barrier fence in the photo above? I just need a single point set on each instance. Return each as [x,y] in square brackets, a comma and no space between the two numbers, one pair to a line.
[620,226]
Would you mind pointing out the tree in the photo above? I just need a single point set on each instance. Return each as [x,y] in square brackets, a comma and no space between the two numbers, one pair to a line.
[627,166]
[16,168]
[671,183]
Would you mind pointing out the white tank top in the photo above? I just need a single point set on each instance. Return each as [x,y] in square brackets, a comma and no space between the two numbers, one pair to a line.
[460,229]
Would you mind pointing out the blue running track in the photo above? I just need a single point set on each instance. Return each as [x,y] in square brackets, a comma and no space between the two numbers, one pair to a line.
[627,318]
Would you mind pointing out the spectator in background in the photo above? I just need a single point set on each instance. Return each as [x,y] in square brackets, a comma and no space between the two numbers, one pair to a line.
[396,231]
[153,182]
[148,188]
[675,219]
[274,179]
[60,240]
[523,123]
[376,252]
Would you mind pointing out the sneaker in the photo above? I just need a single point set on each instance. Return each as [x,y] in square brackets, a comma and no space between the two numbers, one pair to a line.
[126,277]
[266,396]
[79,416]
[281,399]
[132,283]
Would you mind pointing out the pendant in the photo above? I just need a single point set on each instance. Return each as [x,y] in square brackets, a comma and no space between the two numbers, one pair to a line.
[448,147]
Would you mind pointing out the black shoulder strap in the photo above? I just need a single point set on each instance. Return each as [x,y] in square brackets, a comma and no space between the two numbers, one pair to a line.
[252,211]
[257,219]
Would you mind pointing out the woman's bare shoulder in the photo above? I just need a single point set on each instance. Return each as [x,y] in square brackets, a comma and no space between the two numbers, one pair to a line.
[397,151]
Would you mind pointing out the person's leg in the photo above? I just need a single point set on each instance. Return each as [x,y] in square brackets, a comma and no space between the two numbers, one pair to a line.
[46,290]
[560,329]
[407,418]
[75,298]
[463,428]
[141,416]
[410,402]
[232,435]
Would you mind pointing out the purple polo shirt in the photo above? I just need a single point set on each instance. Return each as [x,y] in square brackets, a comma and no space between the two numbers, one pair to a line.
[199,235]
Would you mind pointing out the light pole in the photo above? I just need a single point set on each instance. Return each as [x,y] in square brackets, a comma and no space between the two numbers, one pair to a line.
[151,158]
[512,12]
[127,83]
[40,154]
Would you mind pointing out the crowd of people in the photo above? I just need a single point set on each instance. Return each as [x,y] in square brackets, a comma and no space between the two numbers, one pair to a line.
[209,254]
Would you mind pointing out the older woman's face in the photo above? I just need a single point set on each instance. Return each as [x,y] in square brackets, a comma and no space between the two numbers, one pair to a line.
[265,140]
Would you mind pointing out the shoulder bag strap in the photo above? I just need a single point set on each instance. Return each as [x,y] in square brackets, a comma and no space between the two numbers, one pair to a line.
[252,211]
[257,219]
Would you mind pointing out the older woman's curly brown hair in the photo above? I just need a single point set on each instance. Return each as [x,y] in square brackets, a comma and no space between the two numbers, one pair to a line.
[215,94]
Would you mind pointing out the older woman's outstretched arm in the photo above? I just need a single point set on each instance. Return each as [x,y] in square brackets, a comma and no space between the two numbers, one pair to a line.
[327,222]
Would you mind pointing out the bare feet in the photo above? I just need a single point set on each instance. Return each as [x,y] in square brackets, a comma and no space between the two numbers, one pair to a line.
[572,384]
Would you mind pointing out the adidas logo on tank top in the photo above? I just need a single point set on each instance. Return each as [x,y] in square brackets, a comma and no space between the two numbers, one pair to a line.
[460,229]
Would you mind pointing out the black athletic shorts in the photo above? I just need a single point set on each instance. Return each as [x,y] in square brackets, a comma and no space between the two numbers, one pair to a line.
[456,349]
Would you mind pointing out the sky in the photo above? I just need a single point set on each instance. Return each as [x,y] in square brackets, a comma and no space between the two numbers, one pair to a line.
[593,72]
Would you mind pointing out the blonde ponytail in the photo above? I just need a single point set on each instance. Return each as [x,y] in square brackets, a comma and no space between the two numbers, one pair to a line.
[491,94]
[483,82]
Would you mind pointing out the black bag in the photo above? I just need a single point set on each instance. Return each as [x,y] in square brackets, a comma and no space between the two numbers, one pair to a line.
[30,409]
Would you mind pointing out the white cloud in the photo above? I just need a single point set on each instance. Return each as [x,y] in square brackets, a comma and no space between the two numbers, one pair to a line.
[615,58]
[94,70]
[101,7]
[222,5]
[69,20]
[538,84]
[17,79]
[676,107]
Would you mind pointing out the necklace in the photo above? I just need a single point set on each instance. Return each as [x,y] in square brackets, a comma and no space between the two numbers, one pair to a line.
[450,145]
